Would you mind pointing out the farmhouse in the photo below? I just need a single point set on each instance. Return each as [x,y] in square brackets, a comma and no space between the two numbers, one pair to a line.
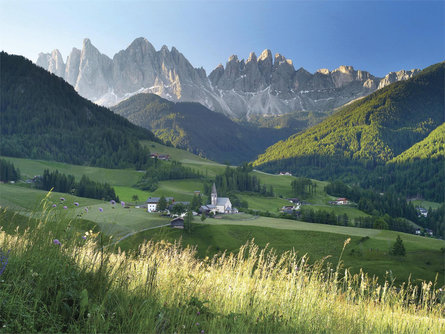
[177,223]
[340,201]
[152,203]
[160,156]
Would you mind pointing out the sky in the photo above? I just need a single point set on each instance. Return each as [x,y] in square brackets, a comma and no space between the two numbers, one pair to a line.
[376,36]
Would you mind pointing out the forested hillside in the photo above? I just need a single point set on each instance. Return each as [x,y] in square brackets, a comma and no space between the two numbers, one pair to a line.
[432,147]
[376,128]
[202,131]
[357,143]
[42,117]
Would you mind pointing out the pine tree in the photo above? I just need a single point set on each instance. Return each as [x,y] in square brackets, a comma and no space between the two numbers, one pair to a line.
[162,204]
[188,221]
[398,248]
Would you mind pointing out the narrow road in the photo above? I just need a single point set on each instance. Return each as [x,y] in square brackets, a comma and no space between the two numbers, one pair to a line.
[133,233]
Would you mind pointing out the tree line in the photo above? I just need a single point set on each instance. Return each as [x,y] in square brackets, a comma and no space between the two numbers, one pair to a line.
[161,171]
[8,172]
[239,180]
[84,188]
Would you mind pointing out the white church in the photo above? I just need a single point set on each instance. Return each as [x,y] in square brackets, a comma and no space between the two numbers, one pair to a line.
[218,204]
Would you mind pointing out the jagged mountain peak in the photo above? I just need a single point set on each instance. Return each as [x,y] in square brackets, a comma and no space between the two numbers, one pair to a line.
[266,54]
[344,69]
[252,57]
[324,71]
[233,58]
[261,85]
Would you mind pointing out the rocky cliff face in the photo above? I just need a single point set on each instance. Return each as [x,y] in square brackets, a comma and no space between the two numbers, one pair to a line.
[267,85]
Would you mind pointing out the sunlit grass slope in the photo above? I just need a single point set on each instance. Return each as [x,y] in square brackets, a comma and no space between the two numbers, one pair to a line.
[77,286]
[368,249]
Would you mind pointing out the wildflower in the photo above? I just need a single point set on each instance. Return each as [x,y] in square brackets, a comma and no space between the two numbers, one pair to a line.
[56,242]
[123,203]
[76,204]
[62,199]
[84,237]
[65,207]
[86,209]
[3,261]
[101,210]
[54,205]
[197,324]
[198,313]
[203,331]
[113,202]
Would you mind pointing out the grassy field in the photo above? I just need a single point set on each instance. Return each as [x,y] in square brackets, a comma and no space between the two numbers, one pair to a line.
[205,166]
[58,279]
[424,258]
[426,204]
[113,219]
[261,203]
[25,199]
[340,210]
[116,177]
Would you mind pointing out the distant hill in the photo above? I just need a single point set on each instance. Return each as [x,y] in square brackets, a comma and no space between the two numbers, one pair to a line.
[42,117]
[193,127]
[376,128]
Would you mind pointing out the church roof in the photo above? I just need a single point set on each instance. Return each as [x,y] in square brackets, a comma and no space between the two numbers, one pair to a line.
[213,189]
[221,201]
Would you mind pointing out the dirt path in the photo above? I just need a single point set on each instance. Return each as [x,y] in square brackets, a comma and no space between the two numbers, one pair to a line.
[133,233]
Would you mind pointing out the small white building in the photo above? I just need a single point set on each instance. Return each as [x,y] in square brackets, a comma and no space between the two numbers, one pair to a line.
[152,203]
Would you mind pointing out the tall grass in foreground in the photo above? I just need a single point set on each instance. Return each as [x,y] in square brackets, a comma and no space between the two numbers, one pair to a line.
[81,286]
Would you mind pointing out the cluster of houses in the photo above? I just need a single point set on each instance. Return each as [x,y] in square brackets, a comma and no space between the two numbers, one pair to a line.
[290,209]
[218,205]
[422,212]
[426,232]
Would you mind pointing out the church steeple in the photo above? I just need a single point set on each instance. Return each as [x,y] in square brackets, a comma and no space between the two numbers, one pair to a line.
[214,195]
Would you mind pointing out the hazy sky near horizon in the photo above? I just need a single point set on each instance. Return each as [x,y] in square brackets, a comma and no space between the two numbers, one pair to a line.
[376,36]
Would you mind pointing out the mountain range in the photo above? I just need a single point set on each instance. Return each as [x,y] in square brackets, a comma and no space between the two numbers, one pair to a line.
[264,85]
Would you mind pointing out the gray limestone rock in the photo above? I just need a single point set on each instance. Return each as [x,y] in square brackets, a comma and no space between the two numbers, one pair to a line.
[263,85]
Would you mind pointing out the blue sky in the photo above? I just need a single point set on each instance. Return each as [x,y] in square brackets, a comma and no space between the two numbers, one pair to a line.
[377,36]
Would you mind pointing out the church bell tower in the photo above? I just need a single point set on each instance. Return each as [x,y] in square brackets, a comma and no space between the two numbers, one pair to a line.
[214,195]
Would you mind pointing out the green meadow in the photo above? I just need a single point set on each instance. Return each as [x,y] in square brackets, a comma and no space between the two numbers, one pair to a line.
[423,259]
[368,248]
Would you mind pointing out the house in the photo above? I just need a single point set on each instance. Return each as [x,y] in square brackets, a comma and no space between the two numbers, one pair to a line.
[177,223]
[294,200]
[342,201]
[152,203]
[285,173]
[418,232]
[160,156]
[429,232]
[218,204]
